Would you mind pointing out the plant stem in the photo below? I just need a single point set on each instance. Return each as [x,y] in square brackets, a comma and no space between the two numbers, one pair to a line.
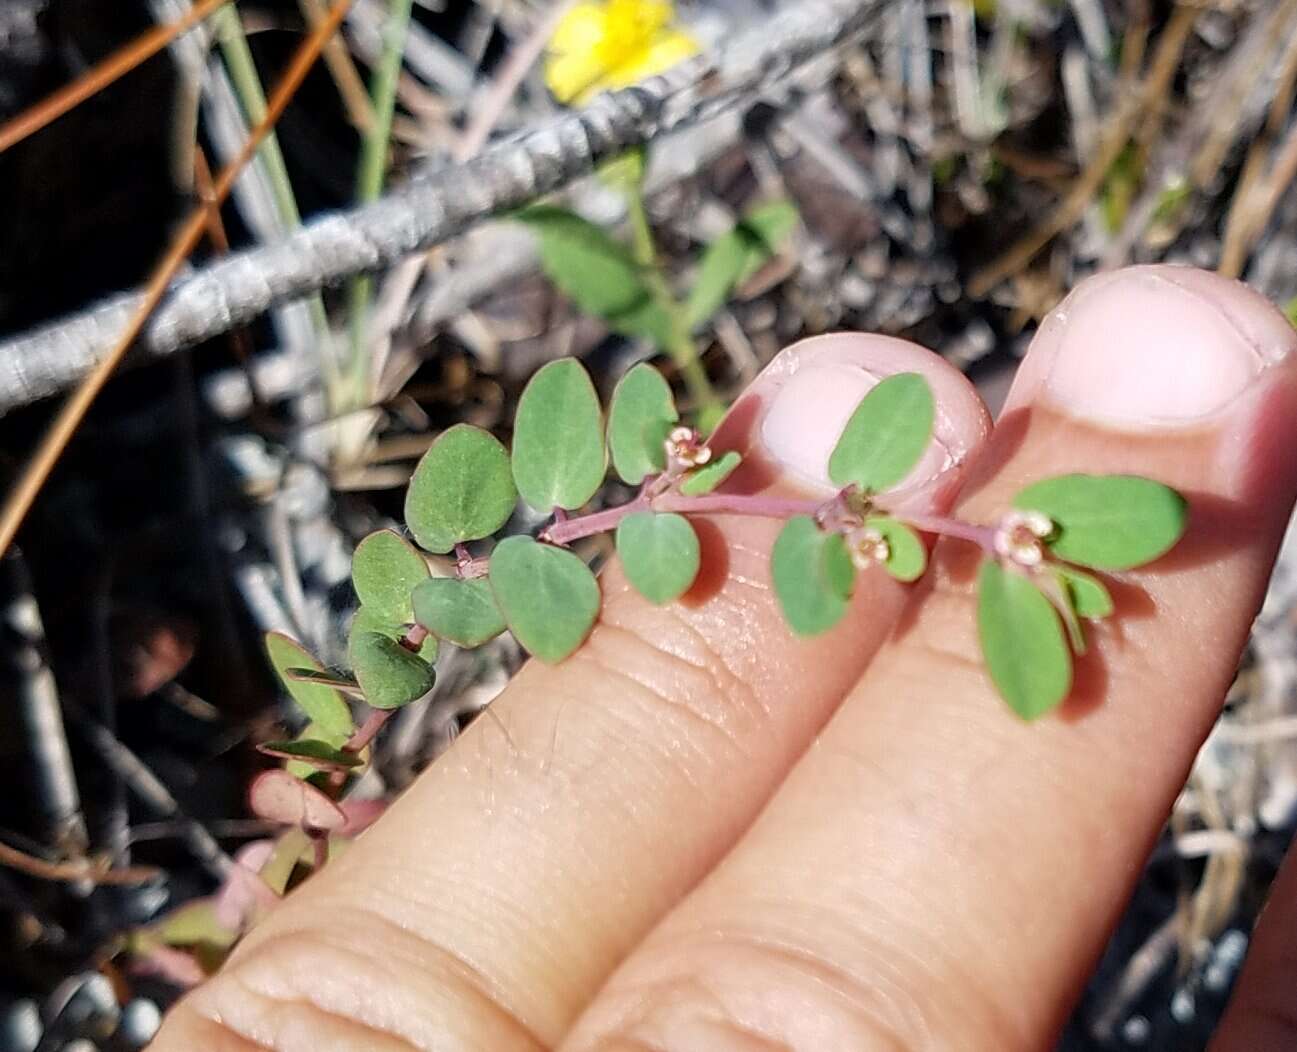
[708,504]
[370,177]
[982,536]
[574,529]
[680,345]
[368,730]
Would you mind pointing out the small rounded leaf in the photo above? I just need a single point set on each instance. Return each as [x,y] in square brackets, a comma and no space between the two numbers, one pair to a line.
[886,435]
[642,415]
[279,797]
[367,620]
[709,476]
[461,611]
[384,570]
[548,596]
[1087,594]
[462,489]
[323,705]
[659,554]
[907,558]
[1108,522]
[813,576]
[559,459]
[1022,641]
[390,675]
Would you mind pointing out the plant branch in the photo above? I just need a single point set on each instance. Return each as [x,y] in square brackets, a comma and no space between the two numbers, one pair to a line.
[439,204]
[368,730]
[759,506]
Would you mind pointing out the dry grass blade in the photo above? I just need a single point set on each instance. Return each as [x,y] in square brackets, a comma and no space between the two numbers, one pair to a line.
[1166,60]
[350,84]
[96,873]
[19,501]
[99,77]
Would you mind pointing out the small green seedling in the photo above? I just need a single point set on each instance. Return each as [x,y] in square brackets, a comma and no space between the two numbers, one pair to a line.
[1035,588]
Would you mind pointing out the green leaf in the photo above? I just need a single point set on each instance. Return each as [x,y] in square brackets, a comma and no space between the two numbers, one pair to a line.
[462,489]
[598,273]
[195,923]
[559,458]
[464,612]
[709,476]
[384,570]
[549,597]
[659,553]
[367,620]
[313,732]
[735,256]
[278,870]
[642,415]
[886,434]
[323,705]
[312,752]
[1088,595]
[907,557]
[1022,640]
[812,574]
[1108,522]
[390,675]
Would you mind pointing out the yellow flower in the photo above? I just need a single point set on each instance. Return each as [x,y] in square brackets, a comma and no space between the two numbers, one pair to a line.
[600,46]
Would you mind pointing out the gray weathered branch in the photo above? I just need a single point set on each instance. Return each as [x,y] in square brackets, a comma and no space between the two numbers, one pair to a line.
[435,206]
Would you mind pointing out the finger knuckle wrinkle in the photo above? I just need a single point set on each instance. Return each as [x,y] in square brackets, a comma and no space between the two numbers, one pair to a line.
[678,668]
[301,991]
[827,1007]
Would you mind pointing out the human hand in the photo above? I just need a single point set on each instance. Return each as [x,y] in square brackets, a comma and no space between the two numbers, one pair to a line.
[701,833]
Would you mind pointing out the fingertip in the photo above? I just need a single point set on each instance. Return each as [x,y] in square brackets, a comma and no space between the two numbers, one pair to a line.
[792,416]
[1152,347]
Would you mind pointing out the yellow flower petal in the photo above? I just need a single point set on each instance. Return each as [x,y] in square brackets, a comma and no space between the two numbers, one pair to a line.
[581,29]
[598,46]
[669,49]
[573,63]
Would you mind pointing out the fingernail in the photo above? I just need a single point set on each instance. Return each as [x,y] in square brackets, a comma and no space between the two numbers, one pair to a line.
[1155,346]
[818,386]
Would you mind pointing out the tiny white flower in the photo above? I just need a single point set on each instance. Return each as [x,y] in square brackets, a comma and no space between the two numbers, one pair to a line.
[1020,536]
[686,449]
[867,548]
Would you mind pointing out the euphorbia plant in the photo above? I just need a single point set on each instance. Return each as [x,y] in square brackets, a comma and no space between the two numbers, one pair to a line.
[1035,588]
[1036,585]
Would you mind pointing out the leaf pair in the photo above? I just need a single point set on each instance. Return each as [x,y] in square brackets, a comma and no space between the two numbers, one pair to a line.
[812,568]
[385,571]
[1029,624]
[545,595]
[814,574]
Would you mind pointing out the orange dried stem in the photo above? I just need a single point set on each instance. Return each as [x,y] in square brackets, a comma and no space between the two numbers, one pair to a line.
[96,873]
[20,500]
[100,76]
